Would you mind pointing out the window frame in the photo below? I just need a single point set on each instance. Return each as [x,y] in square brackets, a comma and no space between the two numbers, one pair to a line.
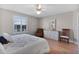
[26,18]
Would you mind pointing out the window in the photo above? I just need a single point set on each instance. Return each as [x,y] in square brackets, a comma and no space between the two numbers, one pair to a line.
[19,24]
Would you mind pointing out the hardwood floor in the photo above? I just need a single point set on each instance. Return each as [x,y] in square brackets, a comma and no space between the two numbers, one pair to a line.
[57,47]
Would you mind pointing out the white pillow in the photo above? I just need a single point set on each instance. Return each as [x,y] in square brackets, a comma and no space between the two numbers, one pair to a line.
[8,37]
[2,50]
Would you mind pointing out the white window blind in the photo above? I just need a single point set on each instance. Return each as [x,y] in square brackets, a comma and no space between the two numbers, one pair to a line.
[20,24]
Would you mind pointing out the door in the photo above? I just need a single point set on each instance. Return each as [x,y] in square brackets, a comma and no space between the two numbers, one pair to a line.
[78,28]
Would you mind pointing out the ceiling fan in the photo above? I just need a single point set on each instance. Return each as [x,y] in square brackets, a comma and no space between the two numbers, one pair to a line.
[39,8]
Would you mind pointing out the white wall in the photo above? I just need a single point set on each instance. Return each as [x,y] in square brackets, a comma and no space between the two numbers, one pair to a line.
[32,25]
[6,21]
[64,20]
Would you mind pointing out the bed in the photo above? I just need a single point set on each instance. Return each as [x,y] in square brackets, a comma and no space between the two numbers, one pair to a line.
[26,44]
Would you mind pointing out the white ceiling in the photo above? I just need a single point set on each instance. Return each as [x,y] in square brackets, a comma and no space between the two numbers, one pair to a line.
[49,9]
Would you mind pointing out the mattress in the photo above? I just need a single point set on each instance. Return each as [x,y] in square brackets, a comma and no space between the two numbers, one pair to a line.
[26,44]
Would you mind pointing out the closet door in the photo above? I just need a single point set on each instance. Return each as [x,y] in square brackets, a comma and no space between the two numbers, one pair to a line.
[75,27]
[78,27]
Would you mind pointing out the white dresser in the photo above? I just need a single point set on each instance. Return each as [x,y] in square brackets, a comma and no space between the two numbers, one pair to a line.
[51,34]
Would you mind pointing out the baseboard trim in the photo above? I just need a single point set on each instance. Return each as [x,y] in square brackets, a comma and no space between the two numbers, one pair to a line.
[71,41]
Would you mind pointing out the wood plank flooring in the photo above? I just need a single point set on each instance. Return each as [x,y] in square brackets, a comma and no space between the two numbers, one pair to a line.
[57,47]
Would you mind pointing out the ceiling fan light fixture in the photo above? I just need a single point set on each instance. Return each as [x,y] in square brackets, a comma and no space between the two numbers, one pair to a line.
[38,12]
[38,8]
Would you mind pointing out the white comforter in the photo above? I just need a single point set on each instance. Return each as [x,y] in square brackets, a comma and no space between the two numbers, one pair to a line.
[27,44]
